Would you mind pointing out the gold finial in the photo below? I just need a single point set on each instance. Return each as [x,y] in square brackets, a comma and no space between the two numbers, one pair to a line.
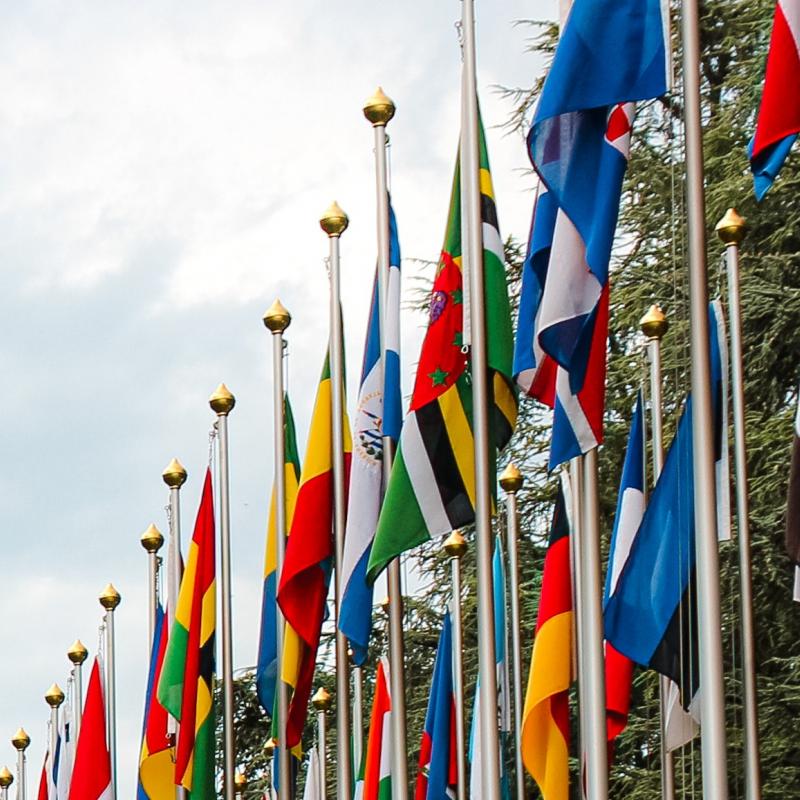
[269,747]
[152,539]
[174,475]
[379,109]
[6,778]
[277,318]
[511,479]
[334,221]
[110,598]
[385,604]
[222,401]
[21,740]
[77,653]
[455,545]
[239,780]
[322,699]
[654,323]
[54,697]
[731,228]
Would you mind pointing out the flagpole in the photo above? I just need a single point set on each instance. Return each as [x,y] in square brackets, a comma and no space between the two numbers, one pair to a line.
[455,546]
[379,110]
[712,696]
[334,223]
[511,481]
[6,779]
[77,654]
[731,230]
[322,702]
[54,697]
[277,319]
[358,714]
[109,600]
[21,741]
[152,540]
[222,403]
[654,326]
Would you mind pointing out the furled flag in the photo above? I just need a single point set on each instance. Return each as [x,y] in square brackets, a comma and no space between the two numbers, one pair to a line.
[476,755]
[545,717]
[185,688]
[91,774]
[778,121]
[156,765]
[438,766]
[313,787]
[65,753]
[267,666]
[378,761]
[366,477]
[303,587]
[432,486]
[793,506]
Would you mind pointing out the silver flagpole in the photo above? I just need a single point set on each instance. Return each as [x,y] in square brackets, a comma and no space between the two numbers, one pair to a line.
[654,326]
[334,223]
[109,600]
[712,693]
[222,403]
[6,779]
[379,110]
[77,654]
[277,319]
[731,230]
[358,714]
[473,247]
[152,540]
[21,741]
[322,702]
[455,546]
[511,482]
[54,697]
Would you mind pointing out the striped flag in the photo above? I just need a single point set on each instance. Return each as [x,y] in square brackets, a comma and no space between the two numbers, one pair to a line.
[65,753]
[545,718]
[793,506]
[267,665]
[432,486]
[392,396]
[185,688]
[303,587]
[378,761]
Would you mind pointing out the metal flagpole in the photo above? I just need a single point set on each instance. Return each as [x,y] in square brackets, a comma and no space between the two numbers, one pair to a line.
[152,540]
[54,697]
[322,702]
[222,403]
[511,482]
[277,319]
[334,223]
[473,246]
[109,600]
[455,546]
[6,779]
[379,110]
[77,654]
[731,230]
[21,741]
[358,714]
[654,326]
[712,693]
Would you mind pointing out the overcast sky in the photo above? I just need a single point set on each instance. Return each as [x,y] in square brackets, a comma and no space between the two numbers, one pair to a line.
[163,166]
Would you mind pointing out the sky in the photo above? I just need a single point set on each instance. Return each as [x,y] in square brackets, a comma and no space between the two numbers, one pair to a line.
[163,167]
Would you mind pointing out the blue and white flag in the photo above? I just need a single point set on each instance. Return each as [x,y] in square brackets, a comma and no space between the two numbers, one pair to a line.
[392,396]
[65,753]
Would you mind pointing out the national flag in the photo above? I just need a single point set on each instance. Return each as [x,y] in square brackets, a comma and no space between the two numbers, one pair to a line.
[313,787]
[44,779]
[718,340]
[378,760]
[65,753]
[185,688]
[267,665]
[303,587]
[545,718]
[793,505]
[778,121]
[432,485]
[91,775]
[392,396]
[438,766]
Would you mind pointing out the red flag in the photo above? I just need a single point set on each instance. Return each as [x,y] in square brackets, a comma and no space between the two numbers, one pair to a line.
[43,793]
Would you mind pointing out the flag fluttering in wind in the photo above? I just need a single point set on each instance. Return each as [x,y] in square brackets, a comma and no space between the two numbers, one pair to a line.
[431,490]
[778,121]
[378,760]
[438,764]
[185,688]
[91,774]
[793,505]
[267,666]
[545,718]
[303,587]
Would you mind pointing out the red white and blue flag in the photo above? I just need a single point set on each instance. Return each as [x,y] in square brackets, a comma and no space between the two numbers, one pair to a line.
[778,121]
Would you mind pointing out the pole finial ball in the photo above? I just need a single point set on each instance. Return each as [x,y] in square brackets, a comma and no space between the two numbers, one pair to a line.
[77,652]
[152,539]
[21,740]
[277,318]
[269,747]
[379,109]
[511,479]
[239,780]
[174,475]
[334,221]
[54,697]
[732,228]
[222,401]
[654,323]
[322,699]
[110,598]
[6,778]
[455,545]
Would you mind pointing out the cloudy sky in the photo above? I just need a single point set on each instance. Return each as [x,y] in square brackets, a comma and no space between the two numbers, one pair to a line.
[163,166]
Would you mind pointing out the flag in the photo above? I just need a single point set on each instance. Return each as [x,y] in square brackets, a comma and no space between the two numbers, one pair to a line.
[303,587]
[431,489]
[545,717]
[718,341]
[392,396]
[793,506]
[438,766]
[378,761]
[778,121]
[185,687]
[91,775]
[267,666]
[44,779]
[65,753]
[313,787]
